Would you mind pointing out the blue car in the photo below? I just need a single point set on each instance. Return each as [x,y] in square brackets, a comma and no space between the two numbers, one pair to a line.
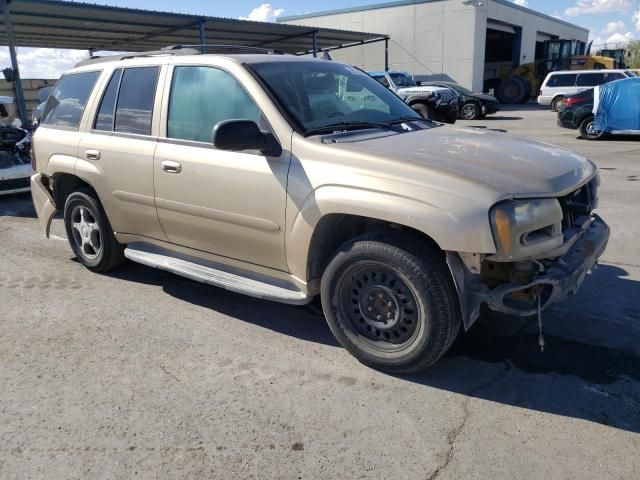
[616,107]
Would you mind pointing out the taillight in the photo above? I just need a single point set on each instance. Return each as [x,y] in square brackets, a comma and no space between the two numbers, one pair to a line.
[574,100]
[32,154]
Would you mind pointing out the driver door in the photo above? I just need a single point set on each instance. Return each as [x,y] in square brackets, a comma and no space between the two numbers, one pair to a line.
[228,203]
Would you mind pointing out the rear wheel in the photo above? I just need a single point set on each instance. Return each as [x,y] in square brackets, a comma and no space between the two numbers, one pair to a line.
[470,111]
[90,234]
[555,104]
[391,302]
[588,129]
[512,90]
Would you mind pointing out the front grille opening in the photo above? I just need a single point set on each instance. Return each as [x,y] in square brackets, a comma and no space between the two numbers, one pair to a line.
[578,203]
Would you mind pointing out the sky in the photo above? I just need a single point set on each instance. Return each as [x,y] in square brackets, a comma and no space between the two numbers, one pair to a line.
[609,21]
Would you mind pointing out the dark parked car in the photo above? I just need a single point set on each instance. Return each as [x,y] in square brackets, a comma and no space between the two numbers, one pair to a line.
[431,101]
[613,108]
[577,113]
[472,105]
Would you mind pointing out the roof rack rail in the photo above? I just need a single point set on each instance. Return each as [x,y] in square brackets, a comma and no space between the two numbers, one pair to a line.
[219,46]
[125,56]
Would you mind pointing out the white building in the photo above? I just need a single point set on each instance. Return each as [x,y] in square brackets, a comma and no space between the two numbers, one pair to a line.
[461,40]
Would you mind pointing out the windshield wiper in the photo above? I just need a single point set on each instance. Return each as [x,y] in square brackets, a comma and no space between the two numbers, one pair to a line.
[347,126]
[405,119]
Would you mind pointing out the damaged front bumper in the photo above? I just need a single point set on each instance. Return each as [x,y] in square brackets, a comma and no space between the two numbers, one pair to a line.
[556,279]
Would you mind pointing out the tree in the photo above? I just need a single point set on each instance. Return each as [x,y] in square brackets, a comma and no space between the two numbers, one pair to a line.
[632,55]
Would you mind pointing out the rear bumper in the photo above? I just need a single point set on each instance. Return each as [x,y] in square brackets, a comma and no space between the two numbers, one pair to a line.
[544,100]
[43,202]
[561,277]
[566,123]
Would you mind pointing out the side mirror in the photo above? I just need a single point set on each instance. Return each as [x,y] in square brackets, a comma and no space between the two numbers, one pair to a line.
[239,135]
[418,83]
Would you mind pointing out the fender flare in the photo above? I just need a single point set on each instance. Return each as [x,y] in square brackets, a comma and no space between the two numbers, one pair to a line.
[424,217]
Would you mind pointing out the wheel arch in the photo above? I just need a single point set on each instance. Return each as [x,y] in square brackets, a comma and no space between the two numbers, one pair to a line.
[64,184]
[333,215]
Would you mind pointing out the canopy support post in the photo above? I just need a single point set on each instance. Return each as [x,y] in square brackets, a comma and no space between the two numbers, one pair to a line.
[203,40]
[314,41]
[17,83]
[386,54]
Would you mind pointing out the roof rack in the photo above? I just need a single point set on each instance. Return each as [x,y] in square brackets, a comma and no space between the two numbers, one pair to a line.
[195,49]
[125,56]
[206,47]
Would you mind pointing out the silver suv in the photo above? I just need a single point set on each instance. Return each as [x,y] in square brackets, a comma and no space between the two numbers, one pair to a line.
[289,179]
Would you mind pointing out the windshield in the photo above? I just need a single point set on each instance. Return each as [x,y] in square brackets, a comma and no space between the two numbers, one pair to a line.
[460,89]
[402,80]
[319,94]
[630,73]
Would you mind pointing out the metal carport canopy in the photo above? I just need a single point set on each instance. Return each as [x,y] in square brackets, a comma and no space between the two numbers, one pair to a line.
[84,26]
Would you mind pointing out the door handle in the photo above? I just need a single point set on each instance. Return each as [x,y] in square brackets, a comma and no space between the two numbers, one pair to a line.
[92,154]
[171,167]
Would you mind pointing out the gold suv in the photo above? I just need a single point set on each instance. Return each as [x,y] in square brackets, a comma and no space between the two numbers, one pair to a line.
[288,178]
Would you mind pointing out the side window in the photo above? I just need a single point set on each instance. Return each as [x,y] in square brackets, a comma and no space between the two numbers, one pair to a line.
[590,79]
[383,80]
[104,119]
[611,76]
[562,80]
[135,100]
[68,99]
[200,98]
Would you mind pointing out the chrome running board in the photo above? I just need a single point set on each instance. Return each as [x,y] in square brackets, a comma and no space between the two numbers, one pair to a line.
[216,275]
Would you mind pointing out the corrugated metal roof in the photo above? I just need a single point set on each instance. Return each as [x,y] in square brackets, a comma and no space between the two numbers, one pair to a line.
[59,24]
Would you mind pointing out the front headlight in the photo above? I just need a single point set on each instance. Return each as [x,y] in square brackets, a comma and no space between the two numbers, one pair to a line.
[525,228]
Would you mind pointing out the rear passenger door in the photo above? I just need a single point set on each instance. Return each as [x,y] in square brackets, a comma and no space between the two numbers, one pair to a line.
[228,203]
[586,81]
[115,153]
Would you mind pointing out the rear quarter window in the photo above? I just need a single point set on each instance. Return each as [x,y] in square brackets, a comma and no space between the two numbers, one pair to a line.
[562,80]
[67,101]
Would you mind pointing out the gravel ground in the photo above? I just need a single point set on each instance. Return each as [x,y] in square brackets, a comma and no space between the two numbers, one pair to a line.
[141,374]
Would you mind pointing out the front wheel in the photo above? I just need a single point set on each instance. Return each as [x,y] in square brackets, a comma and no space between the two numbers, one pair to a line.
[90,234]
[588,129]
[391,302]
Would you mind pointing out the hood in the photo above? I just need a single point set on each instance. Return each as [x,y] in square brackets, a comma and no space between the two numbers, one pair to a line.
[485,96]
[513,166]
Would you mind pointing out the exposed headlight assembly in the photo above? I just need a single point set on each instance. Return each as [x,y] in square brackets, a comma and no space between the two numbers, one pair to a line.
[523,229]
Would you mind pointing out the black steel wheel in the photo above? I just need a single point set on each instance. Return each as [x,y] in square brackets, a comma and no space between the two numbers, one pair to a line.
[379,304]
[390,301]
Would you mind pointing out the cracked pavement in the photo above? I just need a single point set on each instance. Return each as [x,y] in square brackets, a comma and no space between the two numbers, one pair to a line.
[141,374]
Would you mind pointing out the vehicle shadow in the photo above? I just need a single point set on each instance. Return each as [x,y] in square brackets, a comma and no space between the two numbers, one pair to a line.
[590,380]
[17,205]
[493,117]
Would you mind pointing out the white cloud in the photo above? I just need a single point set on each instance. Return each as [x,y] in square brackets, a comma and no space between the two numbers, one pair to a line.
[620,38]
[264,13]
[636,20]
[585,7]
[613,27]
[522,3]
[45,63]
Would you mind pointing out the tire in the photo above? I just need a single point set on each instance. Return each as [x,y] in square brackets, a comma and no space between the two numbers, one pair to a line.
[424,110]
[556,103]
[470,111]
[90,234]
[512,90]
[587,130]
[407,286]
